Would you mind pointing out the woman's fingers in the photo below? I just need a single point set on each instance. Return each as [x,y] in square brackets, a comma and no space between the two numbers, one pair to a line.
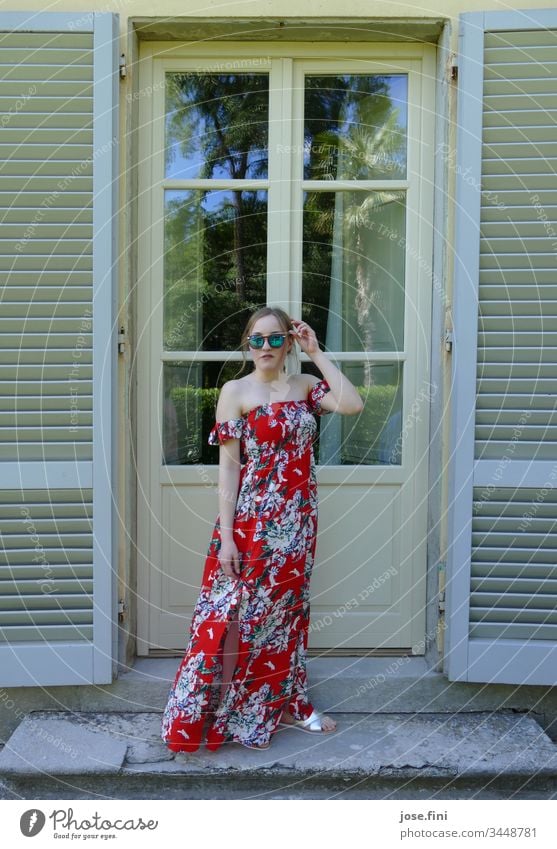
[230,565]
[305,336]
[229,571]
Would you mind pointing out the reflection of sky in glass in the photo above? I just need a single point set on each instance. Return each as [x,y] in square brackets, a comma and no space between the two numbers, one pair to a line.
[350,122]
[209,201]
[228,130]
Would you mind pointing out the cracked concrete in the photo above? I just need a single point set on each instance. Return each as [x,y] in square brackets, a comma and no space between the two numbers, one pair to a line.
[482,744]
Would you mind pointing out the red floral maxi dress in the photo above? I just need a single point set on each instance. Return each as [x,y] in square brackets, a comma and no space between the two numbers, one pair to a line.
[275,525]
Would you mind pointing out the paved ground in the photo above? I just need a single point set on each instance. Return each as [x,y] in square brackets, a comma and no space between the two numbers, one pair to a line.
[65,754]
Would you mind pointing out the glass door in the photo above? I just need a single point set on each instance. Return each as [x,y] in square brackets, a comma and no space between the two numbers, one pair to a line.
[304,183]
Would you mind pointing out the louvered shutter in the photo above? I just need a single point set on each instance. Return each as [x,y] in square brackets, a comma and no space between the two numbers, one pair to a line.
[502,556]
[58,142]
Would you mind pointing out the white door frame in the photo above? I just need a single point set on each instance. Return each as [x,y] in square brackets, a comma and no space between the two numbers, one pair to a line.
[286,61]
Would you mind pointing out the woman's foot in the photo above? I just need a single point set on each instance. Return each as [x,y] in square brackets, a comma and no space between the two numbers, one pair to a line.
[316,723]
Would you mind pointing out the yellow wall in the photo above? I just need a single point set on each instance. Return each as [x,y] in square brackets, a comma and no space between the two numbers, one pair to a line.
[272,9]
[277,8]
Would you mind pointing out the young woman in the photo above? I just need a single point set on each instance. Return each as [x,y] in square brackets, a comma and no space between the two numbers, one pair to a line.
[244,668]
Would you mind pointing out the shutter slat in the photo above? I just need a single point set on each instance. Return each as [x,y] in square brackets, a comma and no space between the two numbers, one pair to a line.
[46,633]
[535,604]
[515,631]
[520,586]
[48,57]
[511,71]
[534,38]
[34,605]
[531,85]
[48,89]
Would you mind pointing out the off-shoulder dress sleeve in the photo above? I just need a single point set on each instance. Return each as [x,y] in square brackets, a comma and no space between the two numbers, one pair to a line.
[223,431]
[316,395]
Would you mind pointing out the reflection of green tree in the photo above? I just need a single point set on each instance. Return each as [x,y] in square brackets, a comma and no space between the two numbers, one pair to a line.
[202,301]
[352,133]
[223,118]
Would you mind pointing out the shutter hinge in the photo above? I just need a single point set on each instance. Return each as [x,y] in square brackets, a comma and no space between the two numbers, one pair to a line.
[121,610]
[441,586]
[454,72]
[123,72]
[121,340]
[448,340]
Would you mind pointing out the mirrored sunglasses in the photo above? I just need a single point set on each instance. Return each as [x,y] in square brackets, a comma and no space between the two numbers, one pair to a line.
[276,340]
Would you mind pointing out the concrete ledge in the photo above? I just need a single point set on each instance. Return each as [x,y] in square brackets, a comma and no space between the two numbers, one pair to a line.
[474,748]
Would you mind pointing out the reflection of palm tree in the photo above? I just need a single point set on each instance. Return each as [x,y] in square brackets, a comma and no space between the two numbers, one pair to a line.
[226,117]
[367,150]
[369,141]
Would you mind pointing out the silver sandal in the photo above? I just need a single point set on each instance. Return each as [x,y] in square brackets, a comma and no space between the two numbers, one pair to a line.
[312,724]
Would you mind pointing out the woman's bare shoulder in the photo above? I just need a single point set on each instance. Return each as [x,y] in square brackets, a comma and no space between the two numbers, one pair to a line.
[229,405]
[303,383]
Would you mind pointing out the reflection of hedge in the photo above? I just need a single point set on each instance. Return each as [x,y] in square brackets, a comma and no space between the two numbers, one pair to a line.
[365,443]
[195,407]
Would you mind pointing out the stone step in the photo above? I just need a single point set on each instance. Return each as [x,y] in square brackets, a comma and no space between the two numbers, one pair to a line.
[120,755]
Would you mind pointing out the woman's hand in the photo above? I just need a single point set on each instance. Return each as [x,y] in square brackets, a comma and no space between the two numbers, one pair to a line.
[305,336]
[229,559]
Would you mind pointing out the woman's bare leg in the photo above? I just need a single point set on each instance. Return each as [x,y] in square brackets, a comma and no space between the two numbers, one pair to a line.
[230,654]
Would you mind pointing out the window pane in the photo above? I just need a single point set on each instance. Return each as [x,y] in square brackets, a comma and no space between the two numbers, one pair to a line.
[355,127]
[215,265]
[217,125]
[190,394]
[374,437]
[353,269]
